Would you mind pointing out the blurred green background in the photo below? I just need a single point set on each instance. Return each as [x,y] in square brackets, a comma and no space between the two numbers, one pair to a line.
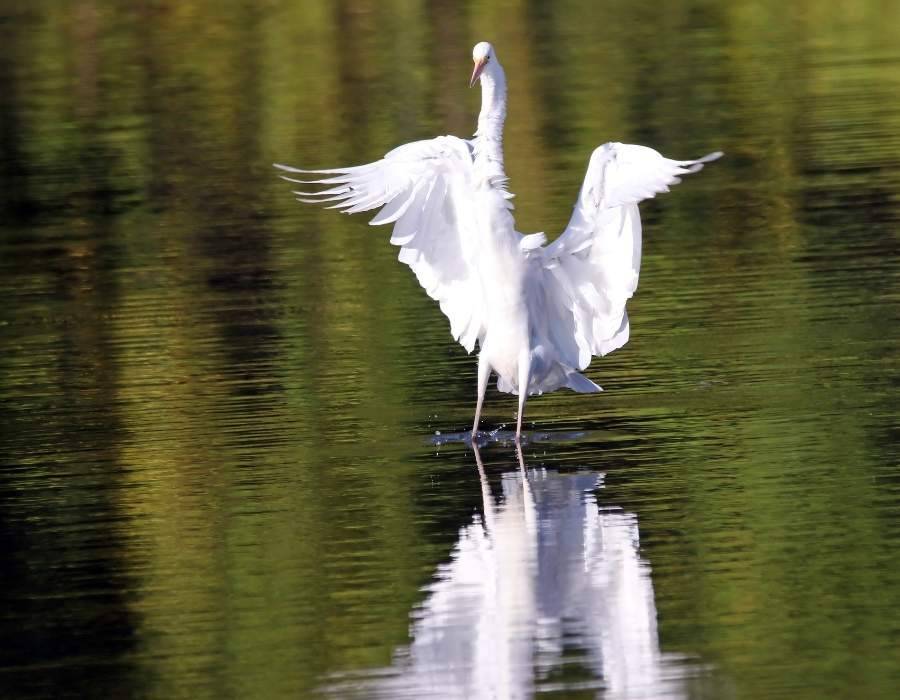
[216,403]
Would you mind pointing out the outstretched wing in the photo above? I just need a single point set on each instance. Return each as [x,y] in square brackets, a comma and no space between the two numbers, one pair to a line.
[592,269]
[423,188]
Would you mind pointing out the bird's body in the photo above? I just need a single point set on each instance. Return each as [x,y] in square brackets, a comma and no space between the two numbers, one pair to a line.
[537,312]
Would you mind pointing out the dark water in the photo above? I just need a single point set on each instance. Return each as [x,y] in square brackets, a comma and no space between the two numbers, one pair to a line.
[219,409]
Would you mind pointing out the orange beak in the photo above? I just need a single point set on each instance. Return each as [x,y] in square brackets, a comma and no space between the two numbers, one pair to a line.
[476,73]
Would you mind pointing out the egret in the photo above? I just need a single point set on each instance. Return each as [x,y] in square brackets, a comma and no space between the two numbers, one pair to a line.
[538,312]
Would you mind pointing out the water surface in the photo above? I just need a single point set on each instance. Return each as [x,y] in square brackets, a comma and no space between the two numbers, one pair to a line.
[219,408]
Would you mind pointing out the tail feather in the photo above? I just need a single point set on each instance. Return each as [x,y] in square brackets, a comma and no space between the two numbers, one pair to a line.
[578,382]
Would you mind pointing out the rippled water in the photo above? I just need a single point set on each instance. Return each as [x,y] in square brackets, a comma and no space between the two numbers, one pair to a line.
[231,451]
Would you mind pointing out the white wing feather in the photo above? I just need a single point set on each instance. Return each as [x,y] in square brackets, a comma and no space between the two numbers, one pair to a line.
[423,189]
[592,269]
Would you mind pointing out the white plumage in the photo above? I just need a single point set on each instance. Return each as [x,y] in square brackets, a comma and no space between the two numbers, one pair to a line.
[537,312]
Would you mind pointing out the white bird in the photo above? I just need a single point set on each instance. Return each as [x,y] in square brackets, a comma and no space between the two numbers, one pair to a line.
[537,312]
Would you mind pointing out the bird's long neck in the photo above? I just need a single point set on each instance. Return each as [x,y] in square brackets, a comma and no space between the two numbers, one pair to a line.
[489,136]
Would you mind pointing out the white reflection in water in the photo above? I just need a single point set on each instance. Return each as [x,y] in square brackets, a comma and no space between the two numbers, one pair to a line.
[548,578]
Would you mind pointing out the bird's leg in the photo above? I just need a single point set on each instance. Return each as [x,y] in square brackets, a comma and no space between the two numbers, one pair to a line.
[523,393]
[524,377]
[484,373]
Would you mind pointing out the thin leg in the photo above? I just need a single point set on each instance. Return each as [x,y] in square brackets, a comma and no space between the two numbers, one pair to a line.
[522,397]
[524,377]
[484,373]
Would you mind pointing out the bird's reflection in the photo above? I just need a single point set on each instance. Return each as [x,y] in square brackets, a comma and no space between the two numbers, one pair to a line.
[547,591]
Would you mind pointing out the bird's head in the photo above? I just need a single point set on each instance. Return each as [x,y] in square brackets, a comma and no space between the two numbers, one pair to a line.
[482,54]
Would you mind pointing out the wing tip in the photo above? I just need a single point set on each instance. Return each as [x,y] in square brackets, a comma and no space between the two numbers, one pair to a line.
[694,166]
[322,171]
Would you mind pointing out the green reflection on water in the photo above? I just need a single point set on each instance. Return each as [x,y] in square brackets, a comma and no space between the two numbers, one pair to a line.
[214,401]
